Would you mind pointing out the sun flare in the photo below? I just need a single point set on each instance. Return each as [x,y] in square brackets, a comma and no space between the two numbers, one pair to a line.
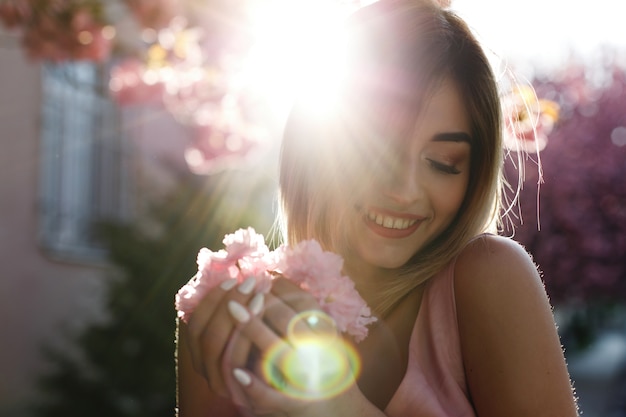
[299,50]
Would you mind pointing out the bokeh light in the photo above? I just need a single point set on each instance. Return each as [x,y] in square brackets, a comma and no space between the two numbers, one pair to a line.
[316,363]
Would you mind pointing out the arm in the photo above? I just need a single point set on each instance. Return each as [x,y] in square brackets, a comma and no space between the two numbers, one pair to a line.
[511,350]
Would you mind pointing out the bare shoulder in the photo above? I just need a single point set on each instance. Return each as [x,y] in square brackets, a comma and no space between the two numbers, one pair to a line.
[511,351]
[497,285]
[497,288]
[494,263]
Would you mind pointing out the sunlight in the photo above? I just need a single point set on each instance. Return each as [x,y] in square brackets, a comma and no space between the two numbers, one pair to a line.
[299,49]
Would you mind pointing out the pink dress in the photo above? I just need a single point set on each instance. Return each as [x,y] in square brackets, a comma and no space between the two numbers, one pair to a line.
[434,384]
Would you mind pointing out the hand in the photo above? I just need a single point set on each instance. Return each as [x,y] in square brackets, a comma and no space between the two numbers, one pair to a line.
[305,361]
[212,334]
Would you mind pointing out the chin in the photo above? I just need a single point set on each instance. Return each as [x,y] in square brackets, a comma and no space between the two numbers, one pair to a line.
[386,257]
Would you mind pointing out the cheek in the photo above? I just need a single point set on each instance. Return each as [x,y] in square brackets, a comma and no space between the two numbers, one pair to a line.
[449,197]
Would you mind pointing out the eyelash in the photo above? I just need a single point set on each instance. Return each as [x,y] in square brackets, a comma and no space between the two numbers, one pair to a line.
[446,169]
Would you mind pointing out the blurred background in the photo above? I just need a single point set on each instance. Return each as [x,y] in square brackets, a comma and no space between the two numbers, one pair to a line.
[135,132]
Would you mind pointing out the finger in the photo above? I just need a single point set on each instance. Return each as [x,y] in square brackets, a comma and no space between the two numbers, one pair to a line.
[265,341]
[219,340]
[200,318]
[254,328]
[294,296]
[213,330]
[241,354]
[271,346]
[281,317]
[262,398]
[295,314]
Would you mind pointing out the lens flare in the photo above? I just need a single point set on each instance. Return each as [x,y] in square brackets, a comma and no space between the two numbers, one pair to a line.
[315,322]
[316,363]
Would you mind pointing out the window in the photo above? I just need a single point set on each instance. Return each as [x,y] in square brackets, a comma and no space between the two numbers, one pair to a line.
[84,173]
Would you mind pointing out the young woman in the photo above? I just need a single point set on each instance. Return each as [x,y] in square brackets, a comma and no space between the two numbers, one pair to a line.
[402,177]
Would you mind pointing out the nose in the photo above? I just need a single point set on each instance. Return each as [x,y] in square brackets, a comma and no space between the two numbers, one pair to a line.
[403,182]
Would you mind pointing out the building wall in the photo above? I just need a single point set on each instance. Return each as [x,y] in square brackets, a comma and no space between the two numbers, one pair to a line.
[40,298]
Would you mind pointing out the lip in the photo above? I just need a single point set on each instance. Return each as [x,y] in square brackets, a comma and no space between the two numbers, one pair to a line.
[388,232]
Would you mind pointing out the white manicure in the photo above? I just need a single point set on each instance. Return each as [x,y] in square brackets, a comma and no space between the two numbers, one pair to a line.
[242,377]
[247,286]
[256,304]
[238,311]
[228,284]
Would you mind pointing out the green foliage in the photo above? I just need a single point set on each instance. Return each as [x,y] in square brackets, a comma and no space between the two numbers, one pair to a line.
[126,365]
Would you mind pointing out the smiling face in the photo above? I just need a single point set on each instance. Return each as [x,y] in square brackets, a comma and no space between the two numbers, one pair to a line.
[418,189]
[406,168]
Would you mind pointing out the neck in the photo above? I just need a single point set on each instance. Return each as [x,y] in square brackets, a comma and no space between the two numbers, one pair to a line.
[369,281]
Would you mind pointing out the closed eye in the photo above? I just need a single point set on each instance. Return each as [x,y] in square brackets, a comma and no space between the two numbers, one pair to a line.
[444,168]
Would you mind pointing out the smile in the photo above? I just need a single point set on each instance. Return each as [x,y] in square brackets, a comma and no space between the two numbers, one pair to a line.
[390,222]
[391,225]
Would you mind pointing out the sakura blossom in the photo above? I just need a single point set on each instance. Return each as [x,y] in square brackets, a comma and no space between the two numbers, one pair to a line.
[317,271]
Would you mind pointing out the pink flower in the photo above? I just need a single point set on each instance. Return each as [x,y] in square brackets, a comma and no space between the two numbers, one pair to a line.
[245,255]
[306,264]
[215,267]
[320,273]
[245,242]
[345,302]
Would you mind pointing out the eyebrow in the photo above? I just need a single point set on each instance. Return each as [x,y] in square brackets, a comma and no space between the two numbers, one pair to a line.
[453,137]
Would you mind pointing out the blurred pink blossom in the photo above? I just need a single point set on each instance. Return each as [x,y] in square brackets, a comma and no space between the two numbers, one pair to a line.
[527,120]
[59,30]
[14,13]
[215,148]
[154,14]
[131,83]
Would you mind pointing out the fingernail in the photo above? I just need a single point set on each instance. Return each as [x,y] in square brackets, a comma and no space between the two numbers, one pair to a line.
[242,377]
[247,286]
[256,304]
[238,311]
[228,284]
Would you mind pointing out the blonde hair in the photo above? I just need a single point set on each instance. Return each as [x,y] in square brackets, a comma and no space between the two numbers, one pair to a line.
[422,44]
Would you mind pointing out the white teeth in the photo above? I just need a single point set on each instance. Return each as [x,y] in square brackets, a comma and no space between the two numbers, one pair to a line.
[390,222]
[399,224]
